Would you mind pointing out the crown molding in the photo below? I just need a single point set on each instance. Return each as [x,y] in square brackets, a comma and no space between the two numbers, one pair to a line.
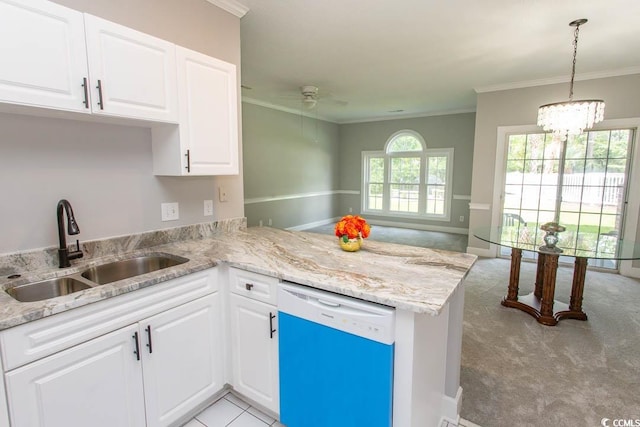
[557,80]
[231,6]
[407,116]
[295,111]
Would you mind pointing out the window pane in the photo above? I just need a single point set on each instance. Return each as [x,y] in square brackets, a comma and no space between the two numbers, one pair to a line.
[535,146]
[436,184]
[404,198]
[404,188]
[437,167]
[435,199]
[512,196]
[576,147]
[619,144]
[574,167]
[404,142]
[598,145]
[376,169]
[514,166]
[517,145]
[405,170]
[374,196]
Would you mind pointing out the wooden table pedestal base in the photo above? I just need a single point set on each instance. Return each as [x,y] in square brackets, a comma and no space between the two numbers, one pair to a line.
[540,303]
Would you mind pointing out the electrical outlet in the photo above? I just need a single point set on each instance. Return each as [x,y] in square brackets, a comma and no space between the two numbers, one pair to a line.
[170,211]
[208,207]
[222,194]
[461,218]
[260,223]
[350,210]
[270,222]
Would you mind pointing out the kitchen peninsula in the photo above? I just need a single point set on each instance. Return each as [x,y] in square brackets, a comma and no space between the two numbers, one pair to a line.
[423,285]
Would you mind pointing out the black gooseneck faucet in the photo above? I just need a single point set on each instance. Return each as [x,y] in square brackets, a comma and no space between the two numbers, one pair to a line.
[64,255]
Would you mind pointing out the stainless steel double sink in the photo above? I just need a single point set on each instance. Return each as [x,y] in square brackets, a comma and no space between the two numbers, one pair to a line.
[93,276]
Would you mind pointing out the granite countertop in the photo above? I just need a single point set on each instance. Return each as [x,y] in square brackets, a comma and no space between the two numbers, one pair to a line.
[406,277]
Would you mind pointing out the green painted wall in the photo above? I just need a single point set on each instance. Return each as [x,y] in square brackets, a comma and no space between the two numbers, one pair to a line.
[286,155]
[448,131]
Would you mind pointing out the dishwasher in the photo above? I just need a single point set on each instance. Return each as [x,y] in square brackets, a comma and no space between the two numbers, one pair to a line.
[336,359]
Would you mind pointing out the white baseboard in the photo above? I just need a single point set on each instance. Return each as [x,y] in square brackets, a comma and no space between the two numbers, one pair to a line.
[425,227]
[451,407]
[488,253]
[627,270]
[313,224]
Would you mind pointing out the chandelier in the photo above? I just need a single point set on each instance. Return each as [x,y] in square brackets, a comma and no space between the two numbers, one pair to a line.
[571,117]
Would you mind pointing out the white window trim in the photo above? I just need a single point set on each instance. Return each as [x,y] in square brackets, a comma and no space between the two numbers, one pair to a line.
[424,155]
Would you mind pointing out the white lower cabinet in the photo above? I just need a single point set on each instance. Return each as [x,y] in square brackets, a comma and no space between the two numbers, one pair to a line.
[98,384]
[182,359]
[150,373]
[254,349]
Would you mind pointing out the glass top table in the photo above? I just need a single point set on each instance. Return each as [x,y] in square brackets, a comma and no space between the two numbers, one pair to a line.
[582,246]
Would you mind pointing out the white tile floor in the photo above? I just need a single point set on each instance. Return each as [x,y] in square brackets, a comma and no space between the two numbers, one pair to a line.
[230,411]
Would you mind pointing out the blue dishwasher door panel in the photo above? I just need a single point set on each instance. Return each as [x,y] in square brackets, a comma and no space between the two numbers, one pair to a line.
[330,378]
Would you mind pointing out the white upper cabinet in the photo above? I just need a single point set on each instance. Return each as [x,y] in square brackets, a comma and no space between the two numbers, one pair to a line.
[44,60]
[56,58]
[132,74]
[206,142]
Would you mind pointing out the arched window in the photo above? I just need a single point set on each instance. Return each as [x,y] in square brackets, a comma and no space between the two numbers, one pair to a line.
[407,178]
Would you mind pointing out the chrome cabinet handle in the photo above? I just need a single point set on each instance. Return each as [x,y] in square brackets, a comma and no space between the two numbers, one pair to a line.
[188,156]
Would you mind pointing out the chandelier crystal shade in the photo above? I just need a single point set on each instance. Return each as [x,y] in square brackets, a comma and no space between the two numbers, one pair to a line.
[571,117]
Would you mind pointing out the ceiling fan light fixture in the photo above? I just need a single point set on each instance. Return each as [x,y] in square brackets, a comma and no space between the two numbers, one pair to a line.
[309,103]
[571,117]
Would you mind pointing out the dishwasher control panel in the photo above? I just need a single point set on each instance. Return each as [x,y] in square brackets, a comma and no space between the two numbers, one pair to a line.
[361,318]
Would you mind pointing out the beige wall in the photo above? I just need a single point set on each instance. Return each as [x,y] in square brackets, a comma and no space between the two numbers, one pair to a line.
[105,170]
[518,107]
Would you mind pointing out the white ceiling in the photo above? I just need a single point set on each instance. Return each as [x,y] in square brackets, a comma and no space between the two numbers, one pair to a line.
[426,57]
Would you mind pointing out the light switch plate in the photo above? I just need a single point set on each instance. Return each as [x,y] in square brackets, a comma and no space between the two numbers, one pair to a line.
[222,194]
[208,207]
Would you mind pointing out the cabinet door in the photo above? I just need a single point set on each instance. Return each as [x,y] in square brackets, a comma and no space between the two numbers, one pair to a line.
[183,363]
[132,74]
[44,60]
[208,113]
[254,350]
[97,384]
[4,412]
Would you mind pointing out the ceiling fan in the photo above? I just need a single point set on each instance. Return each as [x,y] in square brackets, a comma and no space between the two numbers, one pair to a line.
[311,96]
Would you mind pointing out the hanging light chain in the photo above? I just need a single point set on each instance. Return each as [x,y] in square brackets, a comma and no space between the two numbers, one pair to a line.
[575,55]
[576,24]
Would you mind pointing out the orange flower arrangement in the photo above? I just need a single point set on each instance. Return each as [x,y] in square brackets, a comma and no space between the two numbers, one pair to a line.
[352,227]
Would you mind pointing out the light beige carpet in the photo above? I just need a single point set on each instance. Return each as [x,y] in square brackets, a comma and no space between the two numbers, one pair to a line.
[516,372]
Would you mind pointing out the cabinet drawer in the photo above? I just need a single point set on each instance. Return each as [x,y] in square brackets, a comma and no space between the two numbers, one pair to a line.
[253,285]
